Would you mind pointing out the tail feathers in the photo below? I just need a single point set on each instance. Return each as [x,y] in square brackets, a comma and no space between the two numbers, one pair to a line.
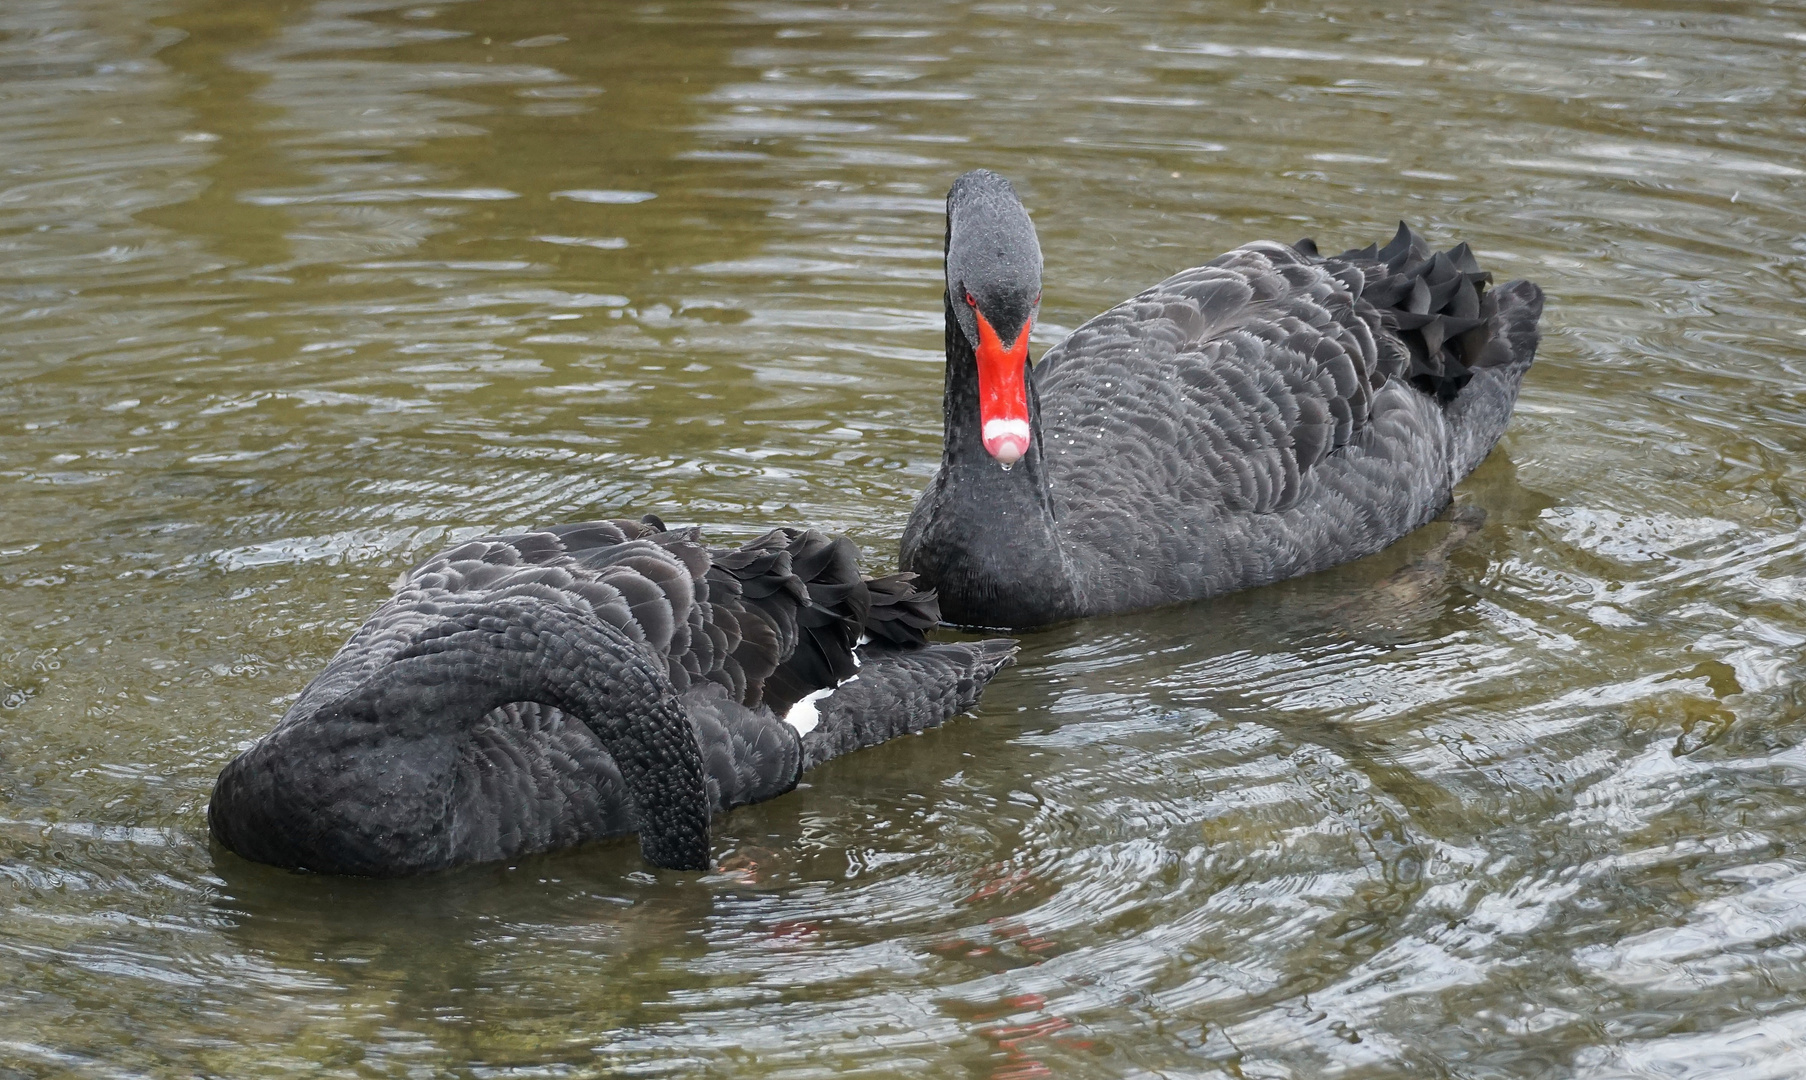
[1508,340]
[903,691]
[901,615]
[1479,415]
[1439,306]
[1520,308]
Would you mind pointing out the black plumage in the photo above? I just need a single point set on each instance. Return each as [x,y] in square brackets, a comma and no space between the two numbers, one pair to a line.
[1270,413]
[530,692]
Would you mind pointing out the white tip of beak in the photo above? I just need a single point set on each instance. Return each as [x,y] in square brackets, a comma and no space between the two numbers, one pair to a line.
[1006,440]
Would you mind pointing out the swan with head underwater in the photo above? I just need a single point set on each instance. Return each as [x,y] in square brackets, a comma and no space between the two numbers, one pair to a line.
[1270,413]
[530,692]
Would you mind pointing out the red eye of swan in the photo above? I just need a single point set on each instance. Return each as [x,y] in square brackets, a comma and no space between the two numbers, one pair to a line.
[971,301]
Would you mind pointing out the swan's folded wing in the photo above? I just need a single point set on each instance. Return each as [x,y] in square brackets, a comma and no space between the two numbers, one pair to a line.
[1221,386]
[535,564]
[771,621]
[1227,383]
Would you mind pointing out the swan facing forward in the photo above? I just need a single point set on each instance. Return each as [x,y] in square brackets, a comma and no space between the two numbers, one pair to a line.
[530,692]
[1270,413]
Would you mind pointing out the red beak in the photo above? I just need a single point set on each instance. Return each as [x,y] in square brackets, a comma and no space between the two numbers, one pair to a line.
[1002,392]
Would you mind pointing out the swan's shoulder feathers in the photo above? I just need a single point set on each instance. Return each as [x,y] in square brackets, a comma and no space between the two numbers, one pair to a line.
[771,620]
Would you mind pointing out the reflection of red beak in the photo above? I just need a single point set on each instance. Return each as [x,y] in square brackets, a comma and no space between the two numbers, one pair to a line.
[1002,392]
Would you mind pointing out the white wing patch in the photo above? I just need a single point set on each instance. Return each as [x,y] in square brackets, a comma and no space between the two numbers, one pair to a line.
[803,716]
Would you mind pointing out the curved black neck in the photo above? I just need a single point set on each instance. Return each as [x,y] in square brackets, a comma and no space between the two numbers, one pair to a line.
[475,658]
[985,536]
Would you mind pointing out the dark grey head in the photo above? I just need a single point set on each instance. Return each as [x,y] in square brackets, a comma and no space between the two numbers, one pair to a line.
[994,292]
[993,257]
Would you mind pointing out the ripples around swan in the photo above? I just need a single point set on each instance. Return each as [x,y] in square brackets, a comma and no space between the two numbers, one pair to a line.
[294,295]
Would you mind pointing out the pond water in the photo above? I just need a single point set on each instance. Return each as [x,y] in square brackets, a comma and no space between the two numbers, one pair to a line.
[294,294]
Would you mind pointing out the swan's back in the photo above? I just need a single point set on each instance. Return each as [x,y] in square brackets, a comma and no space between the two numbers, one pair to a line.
[1274,412]
[730,643]
[769,621]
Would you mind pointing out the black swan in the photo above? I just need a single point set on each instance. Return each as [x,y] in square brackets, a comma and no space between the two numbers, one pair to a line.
[529,692]
[1270,413]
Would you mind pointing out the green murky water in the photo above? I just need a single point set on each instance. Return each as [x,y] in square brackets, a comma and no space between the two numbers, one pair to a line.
[292,294]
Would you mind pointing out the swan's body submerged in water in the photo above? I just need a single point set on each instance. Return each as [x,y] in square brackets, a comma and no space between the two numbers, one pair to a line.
[531,692]
[1267,414]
